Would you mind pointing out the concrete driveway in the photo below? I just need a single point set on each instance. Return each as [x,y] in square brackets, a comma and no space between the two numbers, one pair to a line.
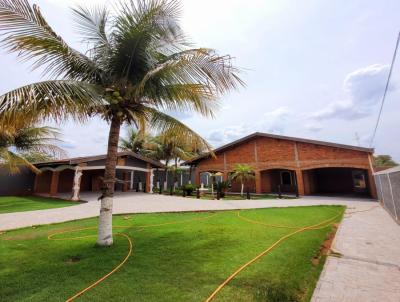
[148,203]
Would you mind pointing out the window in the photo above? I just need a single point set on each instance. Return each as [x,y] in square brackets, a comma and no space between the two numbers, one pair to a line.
[359,179]
[286,178]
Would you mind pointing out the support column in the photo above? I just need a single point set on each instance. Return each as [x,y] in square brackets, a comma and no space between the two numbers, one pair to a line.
[125,186]
[196,177]
[148,178]
[300,182]
[190,175]
[76,188]
[371,179]
[258,181]
[371,185]
[225,176]
[131,183]
[54,183]
[151,181]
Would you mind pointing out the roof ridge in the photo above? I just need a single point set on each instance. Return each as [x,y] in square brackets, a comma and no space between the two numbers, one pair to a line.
[276,136]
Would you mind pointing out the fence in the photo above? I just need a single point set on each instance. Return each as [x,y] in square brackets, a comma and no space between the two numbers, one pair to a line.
[388,189]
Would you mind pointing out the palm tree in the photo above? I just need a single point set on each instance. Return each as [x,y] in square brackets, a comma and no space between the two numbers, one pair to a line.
[19,142]
[169,148]
[242,173]
[139,65]
[134,142]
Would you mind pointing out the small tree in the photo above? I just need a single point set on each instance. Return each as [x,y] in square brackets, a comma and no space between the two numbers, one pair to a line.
[384,161]
[243,173]
[134,141]
[23,143]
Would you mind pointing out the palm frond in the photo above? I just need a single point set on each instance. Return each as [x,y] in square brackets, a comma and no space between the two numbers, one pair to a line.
[57,99]
[197,66]
[142,29]
[12,162]
[91,24]
[171,127]
[26,32]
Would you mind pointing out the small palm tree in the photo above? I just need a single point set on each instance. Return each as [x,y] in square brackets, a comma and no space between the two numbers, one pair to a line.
[139,65]
[242,173]
[19,142]
[134,142]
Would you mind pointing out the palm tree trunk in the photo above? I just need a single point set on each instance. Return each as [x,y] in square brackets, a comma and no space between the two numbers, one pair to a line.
[105,220]
[241,190]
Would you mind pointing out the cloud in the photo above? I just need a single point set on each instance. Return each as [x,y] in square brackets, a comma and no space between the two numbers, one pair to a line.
[274,121]
[366,85]
[313,127]
[363,89]
[345,110]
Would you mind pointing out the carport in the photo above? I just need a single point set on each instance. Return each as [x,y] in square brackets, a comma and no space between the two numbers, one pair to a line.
[336,181]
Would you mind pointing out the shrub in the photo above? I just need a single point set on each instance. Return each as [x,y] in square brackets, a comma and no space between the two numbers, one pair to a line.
[188,188]
[222,187]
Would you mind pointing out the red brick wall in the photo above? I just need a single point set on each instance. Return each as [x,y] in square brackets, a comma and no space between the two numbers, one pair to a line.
[271,150]
[265,153]
[43,181]
[65,181]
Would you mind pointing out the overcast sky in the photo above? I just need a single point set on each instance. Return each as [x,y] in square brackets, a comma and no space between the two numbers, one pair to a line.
[314,69]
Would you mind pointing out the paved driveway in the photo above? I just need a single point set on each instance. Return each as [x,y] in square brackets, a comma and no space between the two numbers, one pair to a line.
[368,239]
[148,203]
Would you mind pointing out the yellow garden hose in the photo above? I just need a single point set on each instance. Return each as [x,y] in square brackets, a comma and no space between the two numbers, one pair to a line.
[108,274]
[297,230]
[270,248]
[130,249]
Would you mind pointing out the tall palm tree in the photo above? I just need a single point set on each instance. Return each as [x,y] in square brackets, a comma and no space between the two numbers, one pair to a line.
[21,139]
[242,173]
[134,141]
[139,65]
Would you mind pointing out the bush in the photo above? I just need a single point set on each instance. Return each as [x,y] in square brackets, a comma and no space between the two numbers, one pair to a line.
[189,189]
[222,187]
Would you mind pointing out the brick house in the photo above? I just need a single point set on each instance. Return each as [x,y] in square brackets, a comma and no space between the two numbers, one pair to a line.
[293,164]
[73,175]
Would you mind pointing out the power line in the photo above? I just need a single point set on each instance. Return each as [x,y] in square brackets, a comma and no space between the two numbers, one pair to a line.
[386,89]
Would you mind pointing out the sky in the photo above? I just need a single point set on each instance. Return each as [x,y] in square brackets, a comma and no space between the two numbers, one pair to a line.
[313,69]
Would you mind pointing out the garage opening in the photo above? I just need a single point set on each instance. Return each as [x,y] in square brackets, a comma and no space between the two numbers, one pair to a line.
[336,181]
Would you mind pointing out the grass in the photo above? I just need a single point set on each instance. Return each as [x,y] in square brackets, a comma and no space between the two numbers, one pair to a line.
[10,204]
[185,261]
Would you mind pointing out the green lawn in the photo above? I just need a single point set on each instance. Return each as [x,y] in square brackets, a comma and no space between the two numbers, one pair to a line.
[184,261]
[9,204]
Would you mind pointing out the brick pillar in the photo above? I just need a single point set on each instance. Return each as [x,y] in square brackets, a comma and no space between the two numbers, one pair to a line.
[258,182]
[226,175]
[196,177]
[299,182]
[125,186]
[148,178]
[371,185]
[54,183]
[371,179]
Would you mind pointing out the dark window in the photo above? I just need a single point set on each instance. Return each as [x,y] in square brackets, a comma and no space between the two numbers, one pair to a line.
[286,178]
